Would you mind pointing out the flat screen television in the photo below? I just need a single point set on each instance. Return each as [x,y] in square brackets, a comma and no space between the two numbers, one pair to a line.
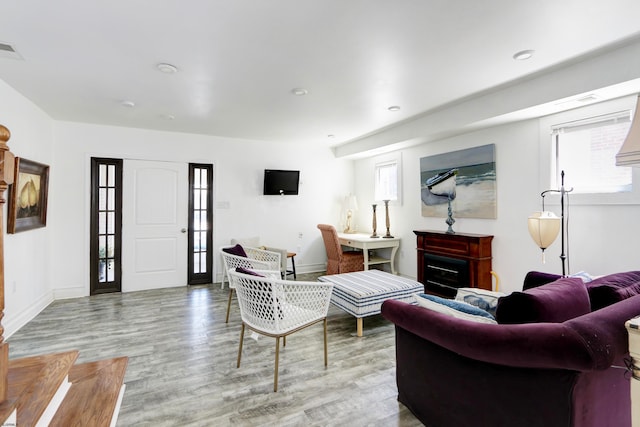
[281,182]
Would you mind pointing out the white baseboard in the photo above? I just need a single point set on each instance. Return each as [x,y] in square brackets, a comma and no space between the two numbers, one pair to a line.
[14,324]
[311,268]
[67,293]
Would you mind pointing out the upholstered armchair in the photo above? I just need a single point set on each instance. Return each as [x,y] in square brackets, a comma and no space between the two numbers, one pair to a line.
[254,242]
[339,261]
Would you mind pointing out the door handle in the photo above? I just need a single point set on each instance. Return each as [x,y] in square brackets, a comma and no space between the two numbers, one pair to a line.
[183,230]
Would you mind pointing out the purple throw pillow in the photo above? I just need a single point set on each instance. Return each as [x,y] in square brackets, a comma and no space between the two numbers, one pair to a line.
[533,279]
[607,290]
[243,270]
[235,250]
[554,302]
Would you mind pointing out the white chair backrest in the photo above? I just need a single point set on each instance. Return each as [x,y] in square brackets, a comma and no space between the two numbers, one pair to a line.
[277,306]
[234,261]
[273,258]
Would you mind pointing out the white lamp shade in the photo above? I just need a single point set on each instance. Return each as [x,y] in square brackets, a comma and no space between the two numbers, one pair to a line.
[351,203]
[629,154]
[544,228]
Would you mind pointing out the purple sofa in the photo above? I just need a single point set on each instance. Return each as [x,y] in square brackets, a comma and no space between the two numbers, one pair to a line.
[455,372]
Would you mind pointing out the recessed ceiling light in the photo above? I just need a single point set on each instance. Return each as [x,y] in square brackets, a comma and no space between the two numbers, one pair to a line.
[394,108]
[331,136]
[298,91]
[167,68]
[523,55]
[128,104]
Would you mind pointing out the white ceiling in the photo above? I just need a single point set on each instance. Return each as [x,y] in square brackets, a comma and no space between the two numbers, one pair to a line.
[238,60]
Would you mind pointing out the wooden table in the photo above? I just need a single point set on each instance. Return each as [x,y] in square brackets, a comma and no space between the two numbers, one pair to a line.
[367,243]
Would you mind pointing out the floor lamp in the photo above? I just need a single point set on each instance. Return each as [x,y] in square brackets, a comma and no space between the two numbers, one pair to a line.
[544,226]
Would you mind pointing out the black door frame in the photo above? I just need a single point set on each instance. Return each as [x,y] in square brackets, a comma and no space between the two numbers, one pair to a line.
[206,276]
[100,261]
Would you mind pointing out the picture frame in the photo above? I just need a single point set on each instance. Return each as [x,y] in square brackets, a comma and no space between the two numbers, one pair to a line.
[28,196]
[475,194]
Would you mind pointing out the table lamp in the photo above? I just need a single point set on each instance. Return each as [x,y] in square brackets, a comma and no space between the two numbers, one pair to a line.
[351,205]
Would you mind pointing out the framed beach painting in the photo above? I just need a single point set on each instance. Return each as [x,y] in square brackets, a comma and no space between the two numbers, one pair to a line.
[466,177]
[28,196]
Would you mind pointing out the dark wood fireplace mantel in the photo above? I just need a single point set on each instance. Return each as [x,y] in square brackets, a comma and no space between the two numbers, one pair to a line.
[450,261]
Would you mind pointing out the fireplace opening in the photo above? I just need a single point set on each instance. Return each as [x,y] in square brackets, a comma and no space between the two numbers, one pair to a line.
[443,275]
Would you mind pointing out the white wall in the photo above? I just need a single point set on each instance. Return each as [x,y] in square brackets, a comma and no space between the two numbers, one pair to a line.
[27,272]
[601,236]
[238,175]
[53,262]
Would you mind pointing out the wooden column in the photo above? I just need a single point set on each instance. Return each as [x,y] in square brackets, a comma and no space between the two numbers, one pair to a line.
[7,165]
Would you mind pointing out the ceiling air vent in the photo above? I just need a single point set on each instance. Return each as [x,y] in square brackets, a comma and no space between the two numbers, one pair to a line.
[7,51]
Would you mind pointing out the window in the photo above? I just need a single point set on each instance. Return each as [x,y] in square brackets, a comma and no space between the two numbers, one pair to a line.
[586,149]
[387,180]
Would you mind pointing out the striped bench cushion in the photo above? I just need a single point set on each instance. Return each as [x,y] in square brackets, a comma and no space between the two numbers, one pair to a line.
[362,293]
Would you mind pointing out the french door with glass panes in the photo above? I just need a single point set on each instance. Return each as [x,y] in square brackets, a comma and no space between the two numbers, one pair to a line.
[200,223]
[106,225]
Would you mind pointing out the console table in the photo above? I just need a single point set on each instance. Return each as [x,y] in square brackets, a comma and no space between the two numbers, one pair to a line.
[450,261]
[367,243]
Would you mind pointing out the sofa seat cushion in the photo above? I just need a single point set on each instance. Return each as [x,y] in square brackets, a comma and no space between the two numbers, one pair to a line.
[457,309]
[613,288]
[560,300]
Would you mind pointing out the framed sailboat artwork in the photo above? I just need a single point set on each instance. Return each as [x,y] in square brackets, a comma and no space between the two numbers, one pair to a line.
[461,181]
[28,196]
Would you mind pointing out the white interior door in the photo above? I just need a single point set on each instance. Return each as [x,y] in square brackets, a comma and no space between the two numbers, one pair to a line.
[154,222]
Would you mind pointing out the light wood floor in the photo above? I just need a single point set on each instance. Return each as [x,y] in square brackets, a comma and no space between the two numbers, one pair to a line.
[182,362]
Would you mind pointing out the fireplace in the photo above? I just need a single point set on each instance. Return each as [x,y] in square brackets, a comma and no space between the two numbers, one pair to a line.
[444,275]
[447,262]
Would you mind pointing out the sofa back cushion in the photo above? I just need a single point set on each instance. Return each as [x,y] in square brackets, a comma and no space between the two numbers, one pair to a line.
[607,290]
[533,279]
[555,302]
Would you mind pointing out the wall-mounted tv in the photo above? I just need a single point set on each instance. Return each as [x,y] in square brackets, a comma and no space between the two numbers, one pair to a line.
[280,182]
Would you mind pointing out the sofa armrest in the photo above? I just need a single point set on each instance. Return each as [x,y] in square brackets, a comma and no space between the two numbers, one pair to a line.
[581,344]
